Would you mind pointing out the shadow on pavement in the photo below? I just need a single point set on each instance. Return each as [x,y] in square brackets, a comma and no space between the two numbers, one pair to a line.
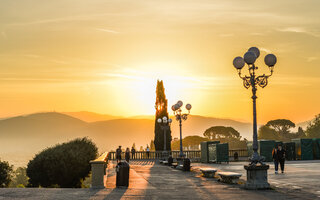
[116,194]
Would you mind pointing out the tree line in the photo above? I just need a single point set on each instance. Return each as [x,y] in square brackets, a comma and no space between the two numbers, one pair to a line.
[281,129]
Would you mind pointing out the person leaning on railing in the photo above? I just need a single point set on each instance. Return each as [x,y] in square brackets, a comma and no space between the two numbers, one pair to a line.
[133,153]
[127,154]
[118,154]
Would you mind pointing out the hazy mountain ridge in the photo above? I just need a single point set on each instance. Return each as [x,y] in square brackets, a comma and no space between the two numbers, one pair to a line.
[23,136]
[40,125]
[91,116]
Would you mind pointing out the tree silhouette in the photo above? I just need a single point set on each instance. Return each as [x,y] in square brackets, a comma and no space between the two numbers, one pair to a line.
[313,129]
[161,111]
[282,126]
[5,173]
[222,132]
[267,133]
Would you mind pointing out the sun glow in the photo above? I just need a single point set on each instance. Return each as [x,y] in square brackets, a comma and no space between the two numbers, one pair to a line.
[141,84]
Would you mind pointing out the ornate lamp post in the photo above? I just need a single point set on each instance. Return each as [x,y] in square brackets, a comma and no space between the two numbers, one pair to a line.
[165,126]
[257,177]
[179,117]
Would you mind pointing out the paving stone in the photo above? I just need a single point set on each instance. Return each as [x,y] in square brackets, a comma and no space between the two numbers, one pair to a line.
[149,180]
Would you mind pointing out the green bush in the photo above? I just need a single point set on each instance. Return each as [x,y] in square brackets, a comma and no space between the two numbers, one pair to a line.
[5,173]
[19,178]
[64,165]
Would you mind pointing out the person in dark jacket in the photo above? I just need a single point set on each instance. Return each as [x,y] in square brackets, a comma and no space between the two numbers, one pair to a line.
[275,159]
[118,154]
[281,157]
[127,154]
[278,155]
[133,153]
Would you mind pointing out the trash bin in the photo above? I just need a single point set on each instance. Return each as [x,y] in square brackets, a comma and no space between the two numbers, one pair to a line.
[170,161]
[186,164]
[236,156]
[122,179]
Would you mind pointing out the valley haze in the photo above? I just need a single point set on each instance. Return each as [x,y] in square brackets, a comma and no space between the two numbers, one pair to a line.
[21,137]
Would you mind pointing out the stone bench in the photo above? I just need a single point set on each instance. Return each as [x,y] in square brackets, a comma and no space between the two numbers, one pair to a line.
[229,177]
[174,164]
[180,167]
[208,172]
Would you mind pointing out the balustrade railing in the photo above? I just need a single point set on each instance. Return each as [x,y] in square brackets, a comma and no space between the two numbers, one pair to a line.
[153,155]
[193,155]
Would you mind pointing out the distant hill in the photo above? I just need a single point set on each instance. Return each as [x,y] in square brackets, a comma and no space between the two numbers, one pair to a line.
[196,125]
[43,125]
[91,116]
[23,136]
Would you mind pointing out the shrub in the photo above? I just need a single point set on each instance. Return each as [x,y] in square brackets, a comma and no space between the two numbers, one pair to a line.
[19,178]
[64,165]
[5,173]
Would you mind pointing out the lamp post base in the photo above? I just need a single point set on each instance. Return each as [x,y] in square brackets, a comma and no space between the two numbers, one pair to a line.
[257,177]
[181,155]
[165,155]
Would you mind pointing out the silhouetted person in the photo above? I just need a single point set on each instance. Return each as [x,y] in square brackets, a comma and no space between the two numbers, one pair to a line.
[281,157]
[148,151]
[275,160]
[133,153]
[278,155]
[127,154]
[118,154]
[236,156]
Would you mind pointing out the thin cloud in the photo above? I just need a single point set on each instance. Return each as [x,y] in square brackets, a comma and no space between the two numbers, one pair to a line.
[107,30]
[59,61]
[295,81]
[265,50]
[63,19]
[31,56]
[257,34]
[297,30]
[310,59]
[226,35]
[200,82]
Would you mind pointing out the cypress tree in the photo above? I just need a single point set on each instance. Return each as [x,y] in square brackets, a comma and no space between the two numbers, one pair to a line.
[161,111]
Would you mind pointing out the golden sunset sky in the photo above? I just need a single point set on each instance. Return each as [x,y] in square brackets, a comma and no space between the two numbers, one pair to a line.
[106,56]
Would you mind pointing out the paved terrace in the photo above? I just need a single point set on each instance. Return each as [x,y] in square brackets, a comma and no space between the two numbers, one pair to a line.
[153,181]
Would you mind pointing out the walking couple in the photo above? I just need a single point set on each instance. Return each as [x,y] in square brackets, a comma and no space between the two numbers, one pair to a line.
[279,155]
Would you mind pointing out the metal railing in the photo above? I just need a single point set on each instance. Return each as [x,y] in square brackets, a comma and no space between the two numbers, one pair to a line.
[194,155]
[241,152]
[154,155]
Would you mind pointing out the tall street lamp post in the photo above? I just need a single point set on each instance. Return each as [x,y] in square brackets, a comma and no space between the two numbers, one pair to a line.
[257,176]
[165,126]
[179,117]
